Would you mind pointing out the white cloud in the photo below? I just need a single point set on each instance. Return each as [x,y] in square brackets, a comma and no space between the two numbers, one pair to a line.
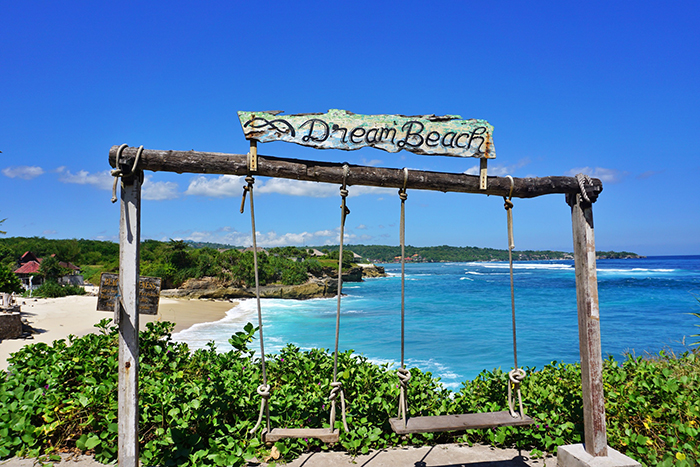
[24,172]
[230,236]
[221,187]
[284,186]
[102,180]
[232,186]
[605,175]
[159,191]
[499,170]
[48,232]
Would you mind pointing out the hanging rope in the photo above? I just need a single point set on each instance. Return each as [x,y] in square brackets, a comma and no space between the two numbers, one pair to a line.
[403,373]
[264,389]
[337,386]
[116,173]
[515,376]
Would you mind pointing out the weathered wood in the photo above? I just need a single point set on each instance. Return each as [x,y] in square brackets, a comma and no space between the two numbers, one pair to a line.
[128,397]
[447,135]
[149,293]
[588,327]
[460,422]
[326,435]
[268,166]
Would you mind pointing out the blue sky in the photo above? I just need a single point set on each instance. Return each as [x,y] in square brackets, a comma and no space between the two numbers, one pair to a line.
[605,88]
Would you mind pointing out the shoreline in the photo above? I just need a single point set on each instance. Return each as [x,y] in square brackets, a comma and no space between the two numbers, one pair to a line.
[57,318]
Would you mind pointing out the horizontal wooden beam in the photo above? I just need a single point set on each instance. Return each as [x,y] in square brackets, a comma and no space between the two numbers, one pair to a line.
[327,172]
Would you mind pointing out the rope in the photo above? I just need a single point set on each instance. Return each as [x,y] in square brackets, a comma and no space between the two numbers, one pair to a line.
[263,389]
[403,373]
[516,375]
[582,179]
[336,386]
[117,172]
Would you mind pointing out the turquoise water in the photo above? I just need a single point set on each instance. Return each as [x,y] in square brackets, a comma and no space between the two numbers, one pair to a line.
[458,317]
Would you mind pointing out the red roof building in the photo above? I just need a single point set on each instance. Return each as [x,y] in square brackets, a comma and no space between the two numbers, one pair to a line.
[30,265]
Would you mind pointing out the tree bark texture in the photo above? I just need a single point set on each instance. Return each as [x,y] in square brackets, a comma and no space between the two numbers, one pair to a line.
[326,172]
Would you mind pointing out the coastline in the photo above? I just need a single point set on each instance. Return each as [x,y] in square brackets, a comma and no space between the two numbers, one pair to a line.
[57,318]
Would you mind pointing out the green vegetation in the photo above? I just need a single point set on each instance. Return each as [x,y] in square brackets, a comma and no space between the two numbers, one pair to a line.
[52,289]
[697,315]
[196,407]
[9,282]
[444,253]
[177,261]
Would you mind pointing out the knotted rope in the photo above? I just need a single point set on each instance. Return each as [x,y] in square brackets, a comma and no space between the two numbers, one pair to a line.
[117,172]
[516,375]
[337,386]
[582,179]
[403,373]
[264,388]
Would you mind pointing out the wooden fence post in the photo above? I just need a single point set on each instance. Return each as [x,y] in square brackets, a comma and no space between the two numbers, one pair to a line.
[595,436]
[127,318]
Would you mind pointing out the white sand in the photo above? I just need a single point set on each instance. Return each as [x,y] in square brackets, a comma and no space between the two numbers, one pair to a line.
[57,318]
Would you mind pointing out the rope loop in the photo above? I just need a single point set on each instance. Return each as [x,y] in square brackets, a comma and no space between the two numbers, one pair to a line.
[508,204]
[117,172]
[582,179]
[517,375]
[344,192]
[264,393]
[404,376]
[336,388]
[264,390]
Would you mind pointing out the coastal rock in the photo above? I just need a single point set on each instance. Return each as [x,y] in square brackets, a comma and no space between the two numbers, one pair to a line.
[212,289]
[351,275]
[372,270]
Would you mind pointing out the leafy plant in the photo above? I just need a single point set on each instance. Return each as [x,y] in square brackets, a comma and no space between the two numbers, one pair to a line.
[697,315]
[9,282]
[196,408]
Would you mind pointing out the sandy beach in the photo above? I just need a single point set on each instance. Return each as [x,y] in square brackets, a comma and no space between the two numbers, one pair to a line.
[57,318]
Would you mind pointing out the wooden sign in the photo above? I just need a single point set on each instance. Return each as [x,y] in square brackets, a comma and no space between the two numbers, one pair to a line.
[448,135]
[149,293]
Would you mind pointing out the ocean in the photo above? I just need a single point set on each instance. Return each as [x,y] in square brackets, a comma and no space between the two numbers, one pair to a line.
[458,315]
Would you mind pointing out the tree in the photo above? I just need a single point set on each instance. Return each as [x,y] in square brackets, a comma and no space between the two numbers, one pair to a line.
[9,282]
[2,232]
[51,269]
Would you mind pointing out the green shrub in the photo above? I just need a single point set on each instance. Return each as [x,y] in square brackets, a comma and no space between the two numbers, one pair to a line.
[52,289]
[197,407]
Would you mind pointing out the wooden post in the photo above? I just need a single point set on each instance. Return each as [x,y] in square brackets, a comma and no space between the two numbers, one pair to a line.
[595,437]
[128,320]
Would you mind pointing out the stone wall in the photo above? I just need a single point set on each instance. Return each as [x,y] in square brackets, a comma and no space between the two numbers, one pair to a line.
[10,325]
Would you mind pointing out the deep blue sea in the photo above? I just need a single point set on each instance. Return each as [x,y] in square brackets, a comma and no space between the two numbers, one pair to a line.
[458,315]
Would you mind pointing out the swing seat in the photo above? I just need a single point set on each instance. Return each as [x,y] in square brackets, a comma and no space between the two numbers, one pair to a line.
[326,435]
[469,421]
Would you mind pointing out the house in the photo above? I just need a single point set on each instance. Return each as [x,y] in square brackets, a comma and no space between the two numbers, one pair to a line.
[29,275]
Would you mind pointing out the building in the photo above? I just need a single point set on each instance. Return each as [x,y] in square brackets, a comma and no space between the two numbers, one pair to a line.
[30,265]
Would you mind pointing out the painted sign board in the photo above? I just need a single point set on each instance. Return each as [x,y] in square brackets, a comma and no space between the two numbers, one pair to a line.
[448,135]
[149,293]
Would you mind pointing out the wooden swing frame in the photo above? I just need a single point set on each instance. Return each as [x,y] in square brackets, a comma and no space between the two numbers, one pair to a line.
[580,198]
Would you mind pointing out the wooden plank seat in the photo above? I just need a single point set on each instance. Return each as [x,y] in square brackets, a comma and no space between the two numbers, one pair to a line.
[324,434]
[459,422]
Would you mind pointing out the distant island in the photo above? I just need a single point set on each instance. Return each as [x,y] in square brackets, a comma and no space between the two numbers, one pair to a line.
[454,254]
